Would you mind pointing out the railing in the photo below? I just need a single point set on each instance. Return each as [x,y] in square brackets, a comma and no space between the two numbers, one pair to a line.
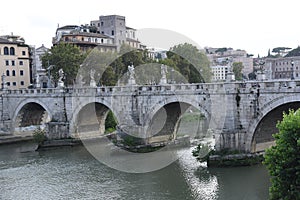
[159,89]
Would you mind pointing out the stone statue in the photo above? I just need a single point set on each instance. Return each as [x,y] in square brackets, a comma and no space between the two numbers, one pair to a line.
[230,75]
[37,81]
[131,80]
[60,75]
[60,78]
[163,71]
[92,76]
[131,71]
[80,80]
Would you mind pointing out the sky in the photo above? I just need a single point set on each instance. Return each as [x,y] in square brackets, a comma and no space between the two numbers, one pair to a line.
[255,26]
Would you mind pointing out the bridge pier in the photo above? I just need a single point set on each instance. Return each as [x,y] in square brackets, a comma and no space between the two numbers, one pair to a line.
[57,130]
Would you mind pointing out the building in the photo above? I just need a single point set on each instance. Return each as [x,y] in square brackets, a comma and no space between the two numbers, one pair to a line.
[219,56]
[282,68]
[219,72]
[15,62]
[84,37]
[114,26]
[39,73]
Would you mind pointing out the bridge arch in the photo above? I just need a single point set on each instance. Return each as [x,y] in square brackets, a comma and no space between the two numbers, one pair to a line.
[171,110]
[261,128]
[89,116]
[30,112]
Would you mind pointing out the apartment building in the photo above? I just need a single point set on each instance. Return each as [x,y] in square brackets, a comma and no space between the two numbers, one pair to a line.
[15,62]
[83,37]
[283,67]
[219,56]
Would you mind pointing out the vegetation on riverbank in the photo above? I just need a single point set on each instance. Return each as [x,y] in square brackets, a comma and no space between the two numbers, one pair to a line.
[110,123]
[39,136]
[283,159]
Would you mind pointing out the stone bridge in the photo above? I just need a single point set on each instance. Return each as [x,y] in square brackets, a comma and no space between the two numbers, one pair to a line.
[241,115]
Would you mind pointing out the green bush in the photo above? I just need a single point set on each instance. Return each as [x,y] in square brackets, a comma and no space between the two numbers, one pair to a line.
[39,135]
[283,159]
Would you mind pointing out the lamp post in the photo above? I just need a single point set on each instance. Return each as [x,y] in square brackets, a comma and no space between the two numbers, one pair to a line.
[172,76]
[3,81]
[292,69]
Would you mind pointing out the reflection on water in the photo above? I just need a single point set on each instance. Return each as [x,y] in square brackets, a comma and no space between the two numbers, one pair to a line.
[72,173]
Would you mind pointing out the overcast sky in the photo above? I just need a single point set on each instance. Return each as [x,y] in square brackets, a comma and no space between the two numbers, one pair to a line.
[254,26]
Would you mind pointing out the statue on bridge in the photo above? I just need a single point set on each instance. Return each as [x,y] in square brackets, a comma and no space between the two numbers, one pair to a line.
[230,75]
[163,71]
[60,78]
[92,76]
[37,81]
[131,80]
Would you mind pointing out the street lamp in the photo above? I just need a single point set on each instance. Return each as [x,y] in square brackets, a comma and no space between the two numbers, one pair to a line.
[172,76]
[292,75]
[3,81]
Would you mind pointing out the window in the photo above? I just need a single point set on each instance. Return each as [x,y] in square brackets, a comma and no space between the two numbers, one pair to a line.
[7,72]
[8,83]
[6,62]
[98,24]
[14,84]
[21,62]
[102,32]
[101,40]
[112,32]
[21,72]
[13,63]
[12,51]
[13,73]
[22,83]
[102,23]
[5,50]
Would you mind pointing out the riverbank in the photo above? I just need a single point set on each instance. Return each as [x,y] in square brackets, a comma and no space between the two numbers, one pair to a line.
[235,160]
[15,138]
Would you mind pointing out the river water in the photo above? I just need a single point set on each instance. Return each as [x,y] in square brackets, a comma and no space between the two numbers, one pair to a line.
[72,173]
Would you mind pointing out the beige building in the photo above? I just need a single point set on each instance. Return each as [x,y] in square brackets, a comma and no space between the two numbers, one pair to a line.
[82,37]
[14,62]
[282,68]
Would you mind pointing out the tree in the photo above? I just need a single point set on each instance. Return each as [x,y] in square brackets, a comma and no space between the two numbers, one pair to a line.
[280,50]
[190,62]
[110,122]
[237,68]
[221,50]
[283,159]
[64,56]
[294,52]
